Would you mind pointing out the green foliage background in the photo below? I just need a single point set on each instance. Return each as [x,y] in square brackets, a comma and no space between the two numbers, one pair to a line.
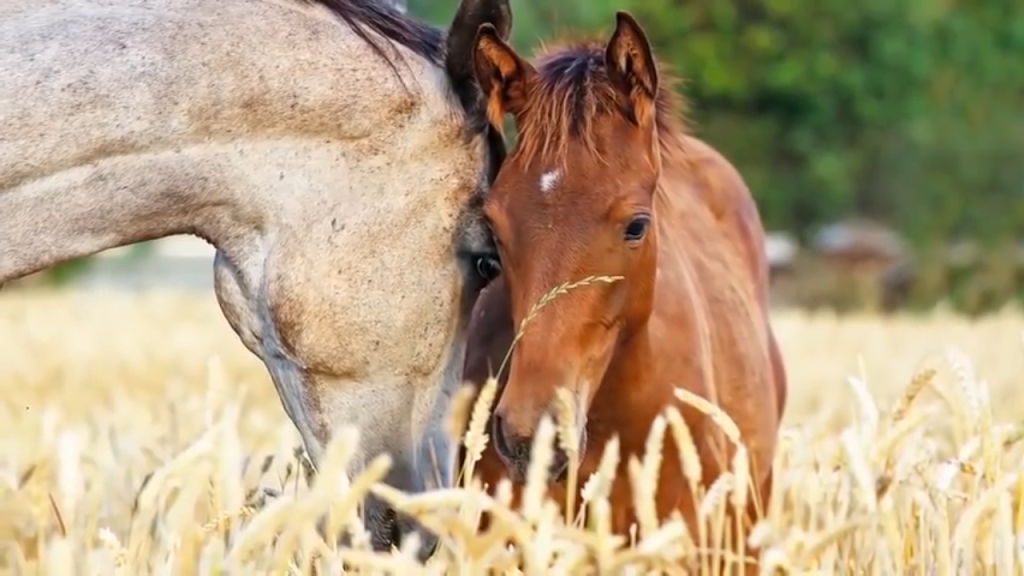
[909,111]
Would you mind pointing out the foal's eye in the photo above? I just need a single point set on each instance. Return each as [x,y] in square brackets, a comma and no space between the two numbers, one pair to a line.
[637,228]
[488,267]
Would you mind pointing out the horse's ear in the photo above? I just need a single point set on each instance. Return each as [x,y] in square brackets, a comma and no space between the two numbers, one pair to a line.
[460,45]
[631,68]
[502,74]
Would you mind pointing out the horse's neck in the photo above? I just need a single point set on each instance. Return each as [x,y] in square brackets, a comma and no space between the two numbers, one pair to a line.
[623,395]
[107,141]
[126,199]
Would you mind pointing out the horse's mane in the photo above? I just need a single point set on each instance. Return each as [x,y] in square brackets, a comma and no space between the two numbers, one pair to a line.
[572,92]
[422,39]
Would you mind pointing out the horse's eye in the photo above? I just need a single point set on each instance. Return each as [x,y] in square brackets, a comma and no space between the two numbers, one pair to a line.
[637,228]
[488,267]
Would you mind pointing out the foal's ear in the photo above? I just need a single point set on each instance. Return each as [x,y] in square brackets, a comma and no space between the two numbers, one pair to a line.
[631,68]
[503,76]
[460,44]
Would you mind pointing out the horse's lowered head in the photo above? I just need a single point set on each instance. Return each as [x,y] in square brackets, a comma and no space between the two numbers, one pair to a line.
[336,154]
[572,201]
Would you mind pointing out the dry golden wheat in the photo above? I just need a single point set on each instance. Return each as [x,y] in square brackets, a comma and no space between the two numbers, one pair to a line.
[137,435]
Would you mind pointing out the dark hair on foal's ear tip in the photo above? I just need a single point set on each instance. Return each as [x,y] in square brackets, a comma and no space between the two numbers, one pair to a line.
[623,18]
[487,32]
[484,32]
[486,29]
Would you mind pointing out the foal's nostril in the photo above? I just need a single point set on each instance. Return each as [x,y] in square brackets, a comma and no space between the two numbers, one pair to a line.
[513,450]
[498,435]
[559,465]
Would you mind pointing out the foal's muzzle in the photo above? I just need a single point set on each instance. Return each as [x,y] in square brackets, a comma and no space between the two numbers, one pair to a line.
[514,451]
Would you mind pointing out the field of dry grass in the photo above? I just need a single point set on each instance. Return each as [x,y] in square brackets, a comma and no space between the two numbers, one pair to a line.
[901,454]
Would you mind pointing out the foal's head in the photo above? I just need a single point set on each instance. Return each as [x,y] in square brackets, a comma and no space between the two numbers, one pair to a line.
[574,199]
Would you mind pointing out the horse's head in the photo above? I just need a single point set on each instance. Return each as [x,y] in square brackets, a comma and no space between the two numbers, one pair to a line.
[573,200]
[379,248]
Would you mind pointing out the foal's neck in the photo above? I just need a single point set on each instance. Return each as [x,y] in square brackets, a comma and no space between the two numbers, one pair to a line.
[627,394]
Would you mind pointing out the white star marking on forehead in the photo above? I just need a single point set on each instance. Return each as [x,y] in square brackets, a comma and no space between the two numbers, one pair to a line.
[548,181]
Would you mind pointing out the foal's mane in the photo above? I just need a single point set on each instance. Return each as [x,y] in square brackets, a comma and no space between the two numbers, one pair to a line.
[572,93]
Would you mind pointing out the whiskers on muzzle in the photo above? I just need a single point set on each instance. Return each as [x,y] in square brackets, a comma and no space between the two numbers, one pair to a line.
[388,530]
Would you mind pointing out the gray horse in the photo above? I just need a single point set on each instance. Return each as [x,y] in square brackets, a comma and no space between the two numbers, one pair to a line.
[334,152]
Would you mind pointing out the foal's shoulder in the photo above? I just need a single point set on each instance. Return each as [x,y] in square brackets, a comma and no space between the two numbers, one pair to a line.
[718,181]
[719,184]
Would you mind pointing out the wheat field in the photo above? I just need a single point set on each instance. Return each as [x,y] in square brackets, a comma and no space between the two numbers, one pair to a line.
[139,436]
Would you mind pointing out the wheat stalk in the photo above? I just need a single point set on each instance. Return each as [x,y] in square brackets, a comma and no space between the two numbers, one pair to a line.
[160,451]
[569,442]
